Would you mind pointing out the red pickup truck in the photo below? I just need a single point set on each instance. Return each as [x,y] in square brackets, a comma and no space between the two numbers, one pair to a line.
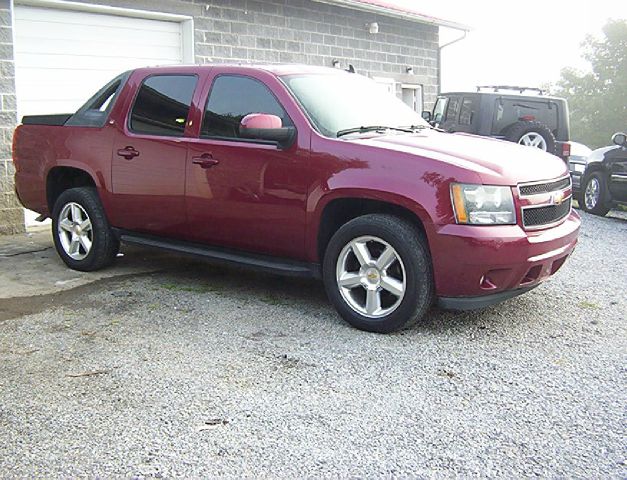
[303,171]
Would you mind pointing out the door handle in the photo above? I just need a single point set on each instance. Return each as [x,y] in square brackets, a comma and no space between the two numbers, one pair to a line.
[128,152]
[205,160]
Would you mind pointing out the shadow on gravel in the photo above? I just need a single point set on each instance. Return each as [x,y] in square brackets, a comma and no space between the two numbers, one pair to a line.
[185,275]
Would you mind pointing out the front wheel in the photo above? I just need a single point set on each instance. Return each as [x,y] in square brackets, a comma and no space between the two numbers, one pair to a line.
[377,273]
[594,193]
[82,235]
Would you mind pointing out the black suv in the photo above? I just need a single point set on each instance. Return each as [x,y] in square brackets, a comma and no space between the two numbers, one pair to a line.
[603,182]
[518,114]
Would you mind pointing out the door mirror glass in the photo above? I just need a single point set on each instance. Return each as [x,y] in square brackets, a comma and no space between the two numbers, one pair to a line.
[426,115]
[264,126]
[619,139]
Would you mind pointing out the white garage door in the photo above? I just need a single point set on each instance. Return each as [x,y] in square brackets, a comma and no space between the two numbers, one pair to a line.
[62,57]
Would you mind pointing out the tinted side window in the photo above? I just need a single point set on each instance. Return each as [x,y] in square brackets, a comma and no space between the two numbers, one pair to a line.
[162,105]
[231,99]
[439,109]
[95,111]
[453,109]
[466,113]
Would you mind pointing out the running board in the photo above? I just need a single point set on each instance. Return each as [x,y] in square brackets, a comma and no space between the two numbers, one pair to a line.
[282,266]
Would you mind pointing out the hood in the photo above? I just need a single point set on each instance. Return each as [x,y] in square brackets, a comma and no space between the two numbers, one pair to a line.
[497,162]
[598,155]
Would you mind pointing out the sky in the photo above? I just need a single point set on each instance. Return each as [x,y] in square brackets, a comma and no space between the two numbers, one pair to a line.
[523,43]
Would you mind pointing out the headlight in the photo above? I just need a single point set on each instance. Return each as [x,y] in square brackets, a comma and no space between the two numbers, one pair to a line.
[483,204]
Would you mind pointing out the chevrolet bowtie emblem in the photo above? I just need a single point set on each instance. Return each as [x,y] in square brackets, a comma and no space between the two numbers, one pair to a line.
[557,198]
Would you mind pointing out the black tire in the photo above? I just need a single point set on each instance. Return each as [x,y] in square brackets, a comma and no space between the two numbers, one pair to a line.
[104,244]
[515,132]
[600,206]
[410,244]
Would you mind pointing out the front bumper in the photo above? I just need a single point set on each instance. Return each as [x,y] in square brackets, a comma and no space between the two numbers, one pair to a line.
[473,303]
[497,262]
[577,169]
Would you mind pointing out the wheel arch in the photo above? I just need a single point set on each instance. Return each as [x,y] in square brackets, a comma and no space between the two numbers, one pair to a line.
[63,177]
[340,209]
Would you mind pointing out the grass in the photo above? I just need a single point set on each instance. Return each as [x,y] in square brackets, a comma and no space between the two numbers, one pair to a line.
[273,300]
[589,305]
[175,287]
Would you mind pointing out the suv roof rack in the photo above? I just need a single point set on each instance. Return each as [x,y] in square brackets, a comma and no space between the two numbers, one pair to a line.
[497,88]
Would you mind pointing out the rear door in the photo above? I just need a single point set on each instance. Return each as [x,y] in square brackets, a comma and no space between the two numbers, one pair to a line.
[149,155]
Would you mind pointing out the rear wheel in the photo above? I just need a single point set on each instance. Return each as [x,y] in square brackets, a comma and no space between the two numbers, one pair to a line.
[594,193]
[532,134]
[82,235]
[377,273]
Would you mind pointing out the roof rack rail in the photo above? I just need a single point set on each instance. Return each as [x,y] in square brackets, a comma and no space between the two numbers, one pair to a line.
[497,88]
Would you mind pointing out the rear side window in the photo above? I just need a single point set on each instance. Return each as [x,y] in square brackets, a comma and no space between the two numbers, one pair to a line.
[162,105]
[232,97]
[95,111]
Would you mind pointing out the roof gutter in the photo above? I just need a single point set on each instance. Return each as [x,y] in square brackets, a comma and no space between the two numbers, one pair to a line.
[396,13]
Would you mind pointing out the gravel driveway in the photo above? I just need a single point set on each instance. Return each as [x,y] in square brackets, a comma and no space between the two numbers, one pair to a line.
[173,367]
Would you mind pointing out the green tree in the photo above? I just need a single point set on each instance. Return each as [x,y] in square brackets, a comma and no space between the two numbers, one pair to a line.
[598,99]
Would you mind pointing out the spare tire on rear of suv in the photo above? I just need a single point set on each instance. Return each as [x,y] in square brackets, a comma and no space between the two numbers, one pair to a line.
[532,134]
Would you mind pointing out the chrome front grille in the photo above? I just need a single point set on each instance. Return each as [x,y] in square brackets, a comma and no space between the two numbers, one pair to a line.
[528,189]
[545,204]
[545,215]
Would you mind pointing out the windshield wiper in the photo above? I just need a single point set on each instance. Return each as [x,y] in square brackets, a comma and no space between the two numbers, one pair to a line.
[418,127]
[372,128]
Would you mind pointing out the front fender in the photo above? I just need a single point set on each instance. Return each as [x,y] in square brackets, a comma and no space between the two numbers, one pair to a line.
[322,196]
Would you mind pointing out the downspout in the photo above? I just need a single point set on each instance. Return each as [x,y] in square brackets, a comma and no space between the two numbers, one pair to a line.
[440,58]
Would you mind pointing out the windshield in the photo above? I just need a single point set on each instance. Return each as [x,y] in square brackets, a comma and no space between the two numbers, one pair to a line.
[337,102]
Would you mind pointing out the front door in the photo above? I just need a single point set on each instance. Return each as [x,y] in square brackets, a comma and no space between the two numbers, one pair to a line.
[242,193]
[149,156]
[451,114]
[616,160]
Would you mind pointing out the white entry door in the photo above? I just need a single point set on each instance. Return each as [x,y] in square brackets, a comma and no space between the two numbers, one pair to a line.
[412,96]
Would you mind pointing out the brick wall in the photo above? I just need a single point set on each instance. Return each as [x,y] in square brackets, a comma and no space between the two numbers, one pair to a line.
[263,31]
[11,212]
[303,31]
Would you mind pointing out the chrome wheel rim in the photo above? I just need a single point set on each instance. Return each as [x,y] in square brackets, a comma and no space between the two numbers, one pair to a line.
[592,193]
[371,276]
[533,139]
[75,231]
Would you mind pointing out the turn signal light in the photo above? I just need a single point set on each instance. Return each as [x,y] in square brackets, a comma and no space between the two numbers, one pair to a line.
[460,206]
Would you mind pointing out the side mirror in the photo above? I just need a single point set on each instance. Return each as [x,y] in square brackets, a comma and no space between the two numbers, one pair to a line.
[263,126]
[619,139]
[426,115]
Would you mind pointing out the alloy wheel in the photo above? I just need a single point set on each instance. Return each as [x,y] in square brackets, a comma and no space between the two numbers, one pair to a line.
[75,231]
[592,193]
[371,276]
[533,139]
